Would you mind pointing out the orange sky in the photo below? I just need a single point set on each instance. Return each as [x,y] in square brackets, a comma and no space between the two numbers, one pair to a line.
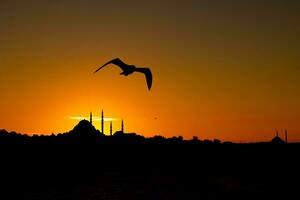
[228,71]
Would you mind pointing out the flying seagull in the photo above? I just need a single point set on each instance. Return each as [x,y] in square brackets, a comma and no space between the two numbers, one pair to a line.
[129,69]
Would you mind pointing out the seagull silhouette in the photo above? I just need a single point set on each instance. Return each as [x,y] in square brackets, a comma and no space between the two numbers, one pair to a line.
[129,69]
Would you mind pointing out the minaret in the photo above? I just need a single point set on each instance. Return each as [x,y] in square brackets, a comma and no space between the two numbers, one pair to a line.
[110,128]
[122,126]
[102,122]
[286,136]
[91,118]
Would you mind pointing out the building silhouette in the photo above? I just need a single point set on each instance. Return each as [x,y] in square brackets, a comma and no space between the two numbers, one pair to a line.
[122,126]
[277,139]
[286,136]
[91,118]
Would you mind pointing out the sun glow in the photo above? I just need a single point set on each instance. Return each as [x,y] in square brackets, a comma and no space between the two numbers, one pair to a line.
[79,118]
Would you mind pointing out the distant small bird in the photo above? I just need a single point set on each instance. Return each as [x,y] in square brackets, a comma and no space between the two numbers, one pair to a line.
[129,69]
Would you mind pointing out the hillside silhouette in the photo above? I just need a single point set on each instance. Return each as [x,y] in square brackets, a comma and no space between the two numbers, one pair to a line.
[85,164]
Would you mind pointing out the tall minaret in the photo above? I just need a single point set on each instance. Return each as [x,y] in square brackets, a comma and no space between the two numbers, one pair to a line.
[110,128]
[122,126]
[102,122]
[91,118]
[286,136]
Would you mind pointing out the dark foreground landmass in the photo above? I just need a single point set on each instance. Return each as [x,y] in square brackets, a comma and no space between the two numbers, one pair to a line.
[77,166]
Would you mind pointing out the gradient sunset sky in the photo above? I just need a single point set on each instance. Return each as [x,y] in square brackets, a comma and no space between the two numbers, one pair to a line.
[221,69]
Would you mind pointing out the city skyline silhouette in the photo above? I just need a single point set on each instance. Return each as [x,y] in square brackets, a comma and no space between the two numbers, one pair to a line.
[85,163]
[86,128]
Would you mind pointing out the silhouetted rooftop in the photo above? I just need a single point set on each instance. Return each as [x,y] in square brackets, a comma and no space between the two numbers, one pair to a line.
[277,140]
[85,128]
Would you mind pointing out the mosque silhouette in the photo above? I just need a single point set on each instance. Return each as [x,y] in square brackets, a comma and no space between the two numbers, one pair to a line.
[102,124]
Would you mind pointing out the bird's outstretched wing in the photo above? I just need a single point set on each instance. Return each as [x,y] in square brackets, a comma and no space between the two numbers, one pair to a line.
[116,61]
[148,75]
